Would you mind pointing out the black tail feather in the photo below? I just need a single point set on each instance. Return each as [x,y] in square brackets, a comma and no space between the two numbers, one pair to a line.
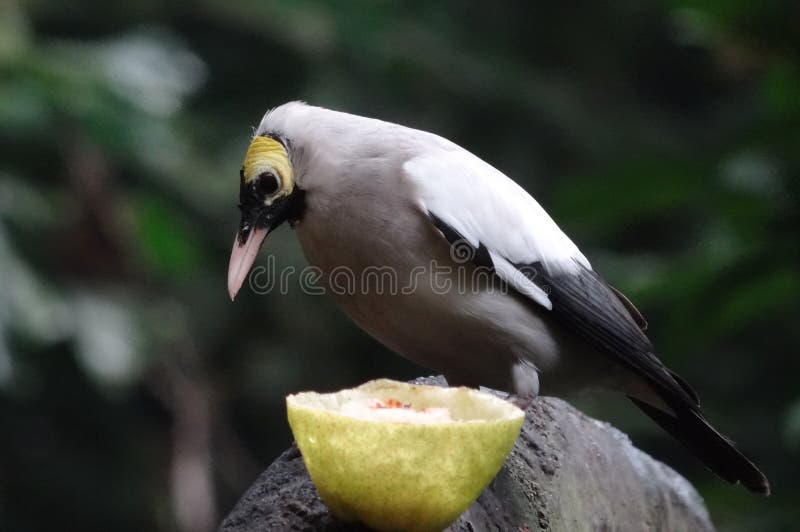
[715,450]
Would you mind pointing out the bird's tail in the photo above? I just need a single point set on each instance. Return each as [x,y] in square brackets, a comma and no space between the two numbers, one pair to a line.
[716,451]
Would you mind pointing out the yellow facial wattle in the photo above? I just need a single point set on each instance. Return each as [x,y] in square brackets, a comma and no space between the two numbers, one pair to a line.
[266,154]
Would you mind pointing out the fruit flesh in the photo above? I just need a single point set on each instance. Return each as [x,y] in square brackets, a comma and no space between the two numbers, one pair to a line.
[393,410]
[402,474]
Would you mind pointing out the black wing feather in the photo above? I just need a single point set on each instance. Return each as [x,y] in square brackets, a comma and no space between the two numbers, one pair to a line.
[606,319]
[587,305]
[715,450]
[480,255]
[593,310]
[590,307]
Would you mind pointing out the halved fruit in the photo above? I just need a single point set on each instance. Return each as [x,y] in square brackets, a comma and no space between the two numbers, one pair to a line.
[400,456]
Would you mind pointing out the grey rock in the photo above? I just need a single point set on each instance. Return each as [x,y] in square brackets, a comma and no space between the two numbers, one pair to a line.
[566,472]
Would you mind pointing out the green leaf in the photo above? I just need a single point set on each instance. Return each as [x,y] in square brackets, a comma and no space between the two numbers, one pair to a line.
[165,241]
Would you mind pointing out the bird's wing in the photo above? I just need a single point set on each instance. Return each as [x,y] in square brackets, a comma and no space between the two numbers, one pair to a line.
[484,207]
[472,203]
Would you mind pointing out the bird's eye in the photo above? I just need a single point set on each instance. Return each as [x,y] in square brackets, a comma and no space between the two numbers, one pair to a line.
[267,183]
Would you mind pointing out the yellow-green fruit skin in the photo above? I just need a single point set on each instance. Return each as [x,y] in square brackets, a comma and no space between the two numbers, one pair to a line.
[399,476]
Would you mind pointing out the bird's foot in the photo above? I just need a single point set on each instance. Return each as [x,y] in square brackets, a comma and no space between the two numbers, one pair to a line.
[521,401]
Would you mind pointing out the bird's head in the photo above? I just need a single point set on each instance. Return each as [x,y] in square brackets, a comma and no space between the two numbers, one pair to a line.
[268,196]
[298,153]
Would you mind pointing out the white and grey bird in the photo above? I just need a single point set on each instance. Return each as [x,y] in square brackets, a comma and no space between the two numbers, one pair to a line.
[487,289]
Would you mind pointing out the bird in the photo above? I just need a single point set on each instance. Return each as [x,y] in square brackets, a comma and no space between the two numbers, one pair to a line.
[448,262]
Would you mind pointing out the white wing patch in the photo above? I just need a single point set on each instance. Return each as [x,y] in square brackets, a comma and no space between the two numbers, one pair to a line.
[506,271]
[487,208]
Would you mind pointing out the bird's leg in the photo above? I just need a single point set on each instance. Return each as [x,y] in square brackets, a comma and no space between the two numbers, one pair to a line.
[525,382]
[521,401]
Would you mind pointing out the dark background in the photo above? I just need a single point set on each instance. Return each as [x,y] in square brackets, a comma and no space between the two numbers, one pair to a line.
[663,137]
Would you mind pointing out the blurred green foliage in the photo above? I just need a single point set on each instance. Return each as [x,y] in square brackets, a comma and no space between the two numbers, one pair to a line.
[664,137]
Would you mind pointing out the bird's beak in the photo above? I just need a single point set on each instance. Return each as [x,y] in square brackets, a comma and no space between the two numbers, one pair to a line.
[242,258]
[256,223]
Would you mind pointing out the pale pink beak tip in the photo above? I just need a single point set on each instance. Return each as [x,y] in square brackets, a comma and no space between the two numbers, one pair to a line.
[242,258]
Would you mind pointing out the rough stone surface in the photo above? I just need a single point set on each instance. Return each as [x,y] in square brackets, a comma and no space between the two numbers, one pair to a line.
[567,472]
